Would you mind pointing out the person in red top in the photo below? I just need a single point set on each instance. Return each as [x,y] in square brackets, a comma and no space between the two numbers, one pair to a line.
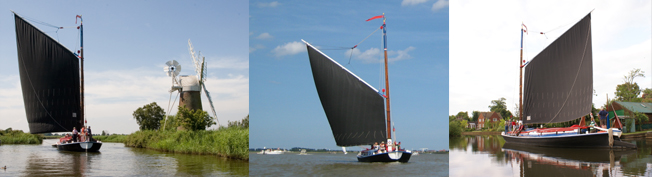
[513,125]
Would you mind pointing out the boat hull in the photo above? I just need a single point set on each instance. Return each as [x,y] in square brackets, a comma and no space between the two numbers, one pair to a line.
[590,140]
[399,156]
[80,146]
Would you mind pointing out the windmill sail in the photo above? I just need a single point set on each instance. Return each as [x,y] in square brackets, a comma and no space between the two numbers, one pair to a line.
[49,77]
[559,80]
[354,109]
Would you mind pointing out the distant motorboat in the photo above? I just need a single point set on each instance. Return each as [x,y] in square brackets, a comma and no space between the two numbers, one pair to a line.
[303,152]
[271,152]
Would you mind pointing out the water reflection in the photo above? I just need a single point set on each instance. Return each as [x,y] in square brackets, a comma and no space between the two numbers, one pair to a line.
[512,160]
[113,160]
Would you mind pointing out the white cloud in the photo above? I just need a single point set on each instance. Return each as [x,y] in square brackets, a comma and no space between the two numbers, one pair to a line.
[440,4]
[289,48]
[376,55]
[402,54]
[484,49]
[265,36]
[271,4]
[256,47]
[412,2]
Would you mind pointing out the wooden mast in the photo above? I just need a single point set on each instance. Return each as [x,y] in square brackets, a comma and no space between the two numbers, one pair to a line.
[389,120]
[520,80]
[81,36]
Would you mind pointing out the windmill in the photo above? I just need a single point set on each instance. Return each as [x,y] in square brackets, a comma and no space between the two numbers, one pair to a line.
[189,87]
[200,69]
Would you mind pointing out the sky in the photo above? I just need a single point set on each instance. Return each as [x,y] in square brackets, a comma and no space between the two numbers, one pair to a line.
[485,45]
[126,46]
[286,110]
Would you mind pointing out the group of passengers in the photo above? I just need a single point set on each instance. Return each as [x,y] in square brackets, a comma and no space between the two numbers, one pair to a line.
[383,148]
[83,135]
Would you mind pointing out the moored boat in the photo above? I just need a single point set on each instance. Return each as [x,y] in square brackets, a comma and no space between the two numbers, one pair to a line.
[559,88]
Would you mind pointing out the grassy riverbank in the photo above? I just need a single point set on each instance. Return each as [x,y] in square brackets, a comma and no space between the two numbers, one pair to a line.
[111,138]
[10,136]
[227,142]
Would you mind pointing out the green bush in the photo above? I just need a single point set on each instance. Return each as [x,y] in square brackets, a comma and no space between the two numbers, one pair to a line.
[10,136]
[454,129]
[194,119]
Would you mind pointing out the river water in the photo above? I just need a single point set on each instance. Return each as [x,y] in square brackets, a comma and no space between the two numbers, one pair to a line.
[325,164]
[113,160]
[490,156]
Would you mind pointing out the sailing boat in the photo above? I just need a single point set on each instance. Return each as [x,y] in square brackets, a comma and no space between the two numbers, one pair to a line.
[559,88]
[53,91]
[355,110]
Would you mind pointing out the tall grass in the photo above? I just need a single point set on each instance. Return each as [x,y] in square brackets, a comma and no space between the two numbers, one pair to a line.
[111,138]
[230,142]
[10,136]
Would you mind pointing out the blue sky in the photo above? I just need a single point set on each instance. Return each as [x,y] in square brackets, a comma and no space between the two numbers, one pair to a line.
[126,45]
[286,111]
[485,48]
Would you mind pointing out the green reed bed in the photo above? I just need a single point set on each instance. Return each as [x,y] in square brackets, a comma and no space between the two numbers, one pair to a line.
[10,136]
[228,142]
[111,138]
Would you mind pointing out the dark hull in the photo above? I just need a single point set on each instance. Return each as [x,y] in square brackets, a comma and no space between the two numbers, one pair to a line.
[385,157]
[80,147]
[592,140]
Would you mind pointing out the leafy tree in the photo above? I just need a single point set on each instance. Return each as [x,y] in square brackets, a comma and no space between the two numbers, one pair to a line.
[194,119]
[149,116]
[629,90]
[647,95]
[454,128]
[476,115]
[463,115]
[500,107]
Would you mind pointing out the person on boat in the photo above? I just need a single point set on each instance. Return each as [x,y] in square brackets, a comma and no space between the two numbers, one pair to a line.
[398,146]
[74,134]
[603,117]
[83,134]
[89,134]
[513,125]
[506,127]
[382,147]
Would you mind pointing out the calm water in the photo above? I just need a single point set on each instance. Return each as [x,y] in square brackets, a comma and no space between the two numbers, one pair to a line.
[113,160]
[490,156]
[324,164]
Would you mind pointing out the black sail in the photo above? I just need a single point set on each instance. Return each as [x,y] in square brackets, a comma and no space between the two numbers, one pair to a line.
[49,77]
[355,110]
[559,80]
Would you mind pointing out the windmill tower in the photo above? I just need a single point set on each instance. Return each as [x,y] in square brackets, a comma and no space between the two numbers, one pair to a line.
[189,86]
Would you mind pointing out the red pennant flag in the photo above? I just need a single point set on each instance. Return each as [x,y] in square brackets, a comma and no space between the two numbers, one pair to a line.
[376,17]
